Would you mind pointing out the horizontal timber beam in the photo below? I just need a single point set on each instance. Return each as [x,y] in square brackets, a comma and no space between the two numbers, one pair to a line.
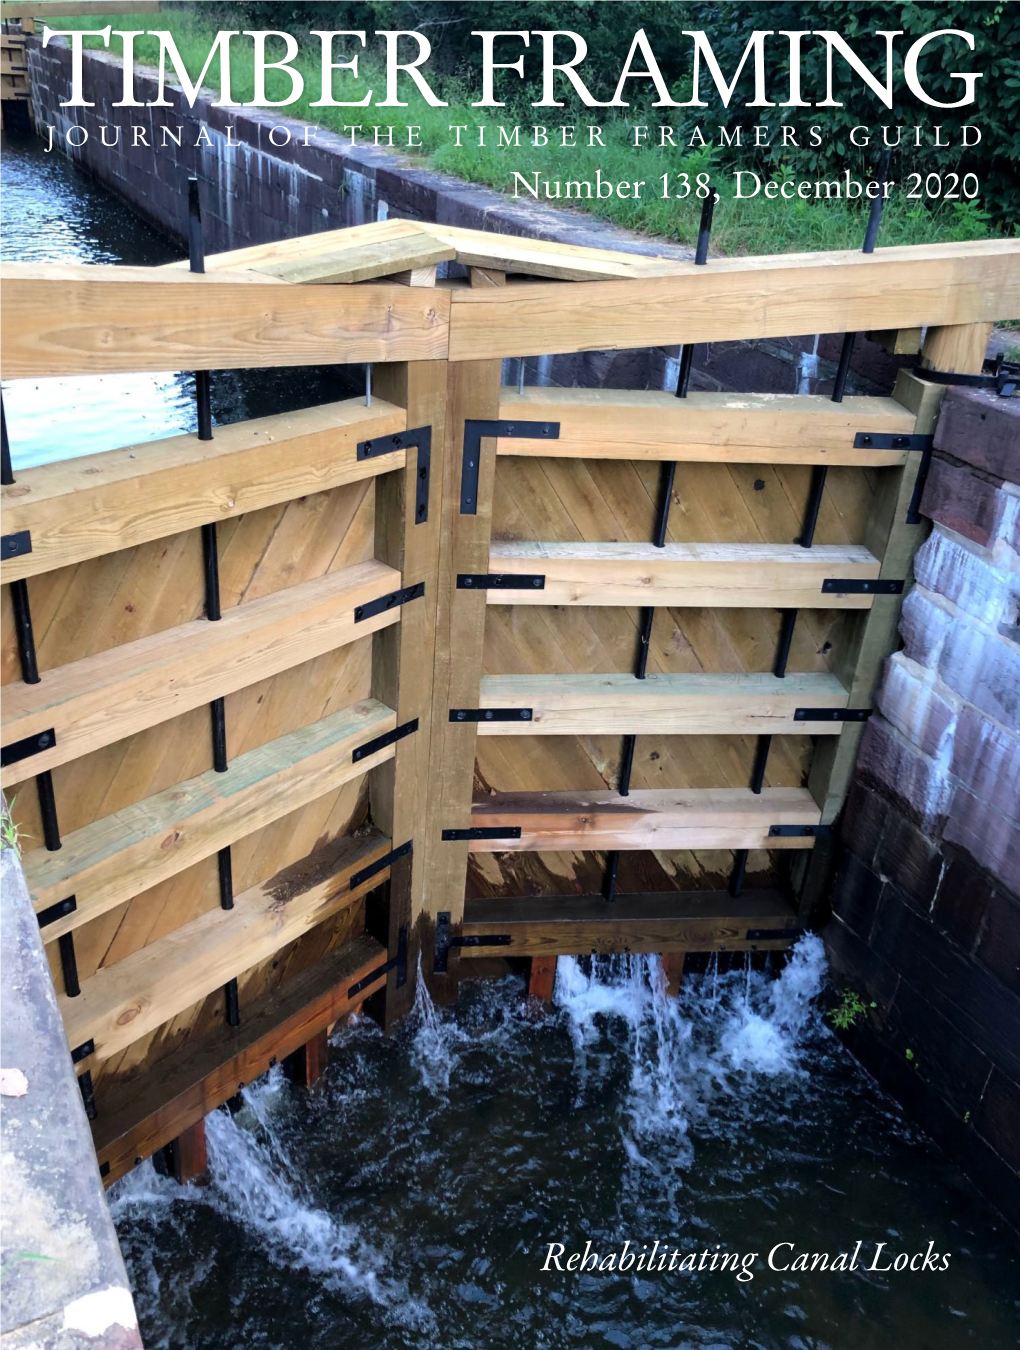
[661,705]
[303,248]
[90,703]
[648,424]
[782,295]
[121,855]
[84,508]
[83,319]
[541,925]
[672,818]
[716,575]
[148,1112]
[121,1003]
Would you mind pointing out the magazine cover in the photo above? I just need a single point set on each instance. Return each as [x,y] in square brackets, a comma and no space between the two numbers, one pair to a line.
[510,675]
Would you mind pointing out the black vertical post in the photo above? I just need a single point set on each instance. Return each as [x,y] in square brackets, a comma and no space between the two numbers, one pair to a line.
[667,477]
[819,472]
[43,781]
[211,572]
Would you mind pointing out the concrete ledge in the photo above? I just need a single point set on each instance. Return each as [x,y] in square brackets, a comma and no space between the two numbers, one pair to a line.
[64,1284]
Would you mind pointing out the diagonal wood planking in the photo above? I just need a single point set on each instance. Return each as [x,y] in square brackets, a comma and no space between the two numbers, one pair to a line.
[609,500]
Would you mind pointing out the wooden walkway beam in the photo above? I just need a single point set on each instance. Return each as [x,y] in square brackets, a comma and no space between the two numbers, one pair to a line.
[782,295]
[542,925]
[135,848]
[142,1115]
[651,818]
[120,1004]
[93,505]
[726,575]
[661,705]
[647,424]
[103,698]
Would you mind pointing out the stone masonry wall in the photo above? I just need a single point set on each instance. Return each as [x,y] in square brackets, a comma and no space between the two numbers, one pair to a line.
[926,903]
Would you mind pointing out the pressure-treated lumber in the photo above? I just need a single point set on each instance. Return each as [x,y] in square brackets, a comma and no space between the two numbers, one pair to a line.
[404,656]
[662,705]
[738,298]
[696,818]
[84,508]
[145,1114]
[544,258]
[578,925]
[646,424]
[83,319]
[305,247]
[121,1003]
[363,262]
[135,848]
[726,575]
[103,698]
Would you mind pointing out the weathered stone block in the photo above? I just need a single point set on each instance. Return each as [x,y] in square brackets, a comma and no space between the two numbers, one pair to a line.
[910,701]
[981,429]
[991,839]
[905,774]
[925,621]
[998,1118]
[986,758]
[855,895]
[984,669]
[909,859]
[962,500]
[999,944]
[983,587]
[961,901]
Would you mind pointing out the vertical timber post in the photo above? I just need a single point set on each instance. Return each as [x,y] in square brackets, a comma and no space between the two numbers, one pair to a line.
[894,533]
[403,656]
[472,391]
[542,978]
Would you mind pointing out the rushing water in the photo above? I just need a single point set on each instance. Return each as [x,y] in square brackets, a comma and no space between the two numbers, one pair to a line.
[409,1199]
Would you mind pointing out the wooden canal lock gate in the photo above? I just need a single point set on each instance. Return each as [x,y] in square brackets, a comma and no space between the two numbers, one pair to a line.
[451,671]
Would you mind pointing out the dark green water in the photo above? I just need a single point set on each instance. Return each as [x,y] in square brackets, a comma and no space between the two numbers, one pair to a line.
[409,1200]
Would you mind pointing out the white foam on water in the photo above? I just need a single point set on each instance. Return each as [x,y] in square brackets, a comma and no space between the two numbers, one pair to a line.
[684,1051]
[254,1182]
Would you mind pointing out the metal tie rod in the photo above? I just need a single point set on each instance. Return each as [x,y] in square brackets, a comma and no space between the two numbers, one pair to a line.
[819,473]
[667,475]
[211,570]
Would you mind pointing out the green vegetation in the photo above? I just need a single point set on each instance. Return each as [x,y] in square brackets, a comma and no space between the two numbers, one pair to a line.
[851,1005]
[9,835]
[741,226]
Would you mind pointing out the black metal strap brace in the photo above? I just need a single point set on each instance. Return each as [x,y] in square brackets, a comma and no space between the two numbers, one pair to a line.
[891,440]
[54,912]
[774,934]
[1002,376]
[28,745]
[381,864]
[381,742]
[852,586]
[500,581]
[397,963]
[475,430]
[490,714]
[445,940]
[831,714]
[483,832]
[390,601]
[16,545]
[83,1051]
[799,831]
[419,438]
[819,473]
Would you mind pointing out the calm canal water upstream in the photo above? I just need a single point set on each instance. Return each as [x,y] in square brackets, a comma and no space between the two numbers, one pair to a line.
[410,1199]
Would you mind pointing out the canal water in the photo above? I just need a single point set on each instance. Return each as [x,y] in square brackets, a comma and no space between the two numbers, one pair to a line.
[416,1196]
